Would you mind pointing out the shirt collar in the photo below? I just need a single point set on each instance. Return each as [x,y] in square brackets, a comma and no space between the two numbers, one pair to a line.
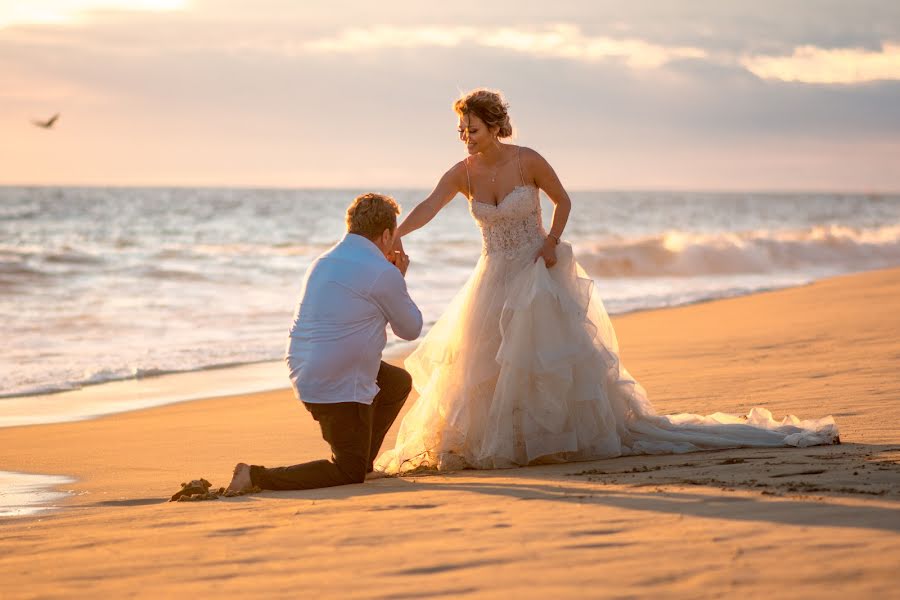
[354,240]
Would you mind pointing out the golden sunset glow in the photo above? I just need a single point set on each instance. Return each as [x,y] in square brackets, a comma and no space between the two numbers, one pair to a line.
[69,11]
[538,299]
[557,41]
[809,64]
[630,95]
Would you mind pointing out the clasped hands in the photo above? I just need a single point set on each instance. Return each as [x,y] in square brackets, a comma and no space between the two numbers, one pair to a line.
[397,257]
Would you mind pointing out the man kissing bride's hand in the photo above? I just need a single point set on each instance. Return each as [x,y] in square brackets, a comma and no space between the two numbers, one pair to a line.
[399,259]
[397,256]
[398,244]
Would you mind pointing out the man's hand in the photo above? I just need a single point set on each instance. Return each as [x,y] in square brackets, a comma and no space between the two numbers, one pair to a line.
[398,243]
[400,260]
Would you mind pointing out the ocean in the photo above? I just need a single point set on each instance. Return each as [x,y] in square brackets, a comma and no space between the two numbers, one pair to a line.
[105,284]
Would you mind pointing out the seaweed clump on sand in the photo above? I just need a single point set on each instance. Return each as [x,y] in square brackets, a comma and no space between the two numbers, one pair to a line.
[200,489]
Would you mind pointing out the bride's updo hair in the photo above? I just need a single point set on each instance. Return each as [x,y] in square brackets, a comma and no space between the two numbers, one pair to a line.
[488,106]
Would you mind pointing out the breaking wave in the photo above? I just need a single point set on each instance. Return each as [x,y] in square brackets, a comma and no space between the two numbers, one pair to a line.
[683,254]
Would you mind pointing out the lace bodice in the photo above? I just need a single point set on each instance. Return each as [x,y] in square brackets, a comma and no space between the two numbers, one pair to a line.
[513,226]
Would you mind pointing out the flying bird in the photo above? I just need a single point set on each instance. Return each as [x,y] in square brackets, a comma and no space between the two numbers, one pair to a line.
[48,123]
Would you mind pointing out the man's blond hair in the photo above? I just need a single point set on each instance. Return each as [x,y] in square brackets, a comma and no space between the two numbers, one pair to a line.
[370,214]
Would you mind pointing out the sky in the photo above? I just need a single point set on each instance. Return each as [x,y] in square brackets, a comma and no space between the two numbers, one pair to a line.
[662,94]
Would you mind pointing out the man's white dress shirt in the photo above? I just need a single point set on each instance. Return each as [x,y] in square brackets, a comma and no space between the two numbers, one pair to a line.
[349,295]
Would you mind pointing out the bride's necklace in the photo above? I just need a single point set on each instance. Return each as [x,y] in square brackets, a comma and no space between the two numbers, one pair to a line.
[496,169]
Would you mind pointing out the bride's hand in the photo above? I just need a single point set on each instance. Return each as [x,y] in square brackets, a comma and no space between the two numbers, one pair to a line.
[398,245]
[547,252]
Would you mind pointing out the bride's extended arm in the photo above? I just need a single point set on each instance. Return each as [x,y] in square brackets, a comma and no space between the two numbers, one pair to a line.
[443,193]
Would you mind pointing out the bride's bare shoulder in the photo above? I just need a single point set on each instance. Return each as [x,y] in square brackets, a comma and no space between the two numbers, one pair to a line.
[452,182]
[534,166]
[529,155]
[458,168]
[456,174]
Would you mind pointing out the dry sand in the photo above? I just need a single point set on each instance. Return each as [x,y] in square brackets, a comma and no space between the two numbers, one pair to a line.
[793,523]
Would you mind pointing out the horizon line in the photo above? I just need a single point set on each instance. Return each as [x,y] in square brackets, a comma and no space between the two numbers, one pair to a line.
[635,189]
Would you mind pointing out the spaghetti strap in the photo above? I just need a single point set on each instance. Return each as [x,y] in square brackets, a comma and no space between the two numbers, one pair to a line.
[468,181]
[519,160]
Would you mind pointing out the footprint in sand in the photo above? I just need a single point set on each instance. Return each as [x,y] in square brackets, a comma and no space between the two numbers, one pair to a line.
[811,472]
[591,532]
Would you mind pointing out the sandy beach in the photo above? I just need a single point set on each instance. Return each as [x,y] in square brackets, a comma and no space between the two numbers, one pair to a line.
[794,523]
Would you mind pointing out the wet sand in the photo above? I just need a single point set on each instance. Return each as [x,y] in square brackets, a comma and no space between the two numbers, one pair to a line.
[821,522]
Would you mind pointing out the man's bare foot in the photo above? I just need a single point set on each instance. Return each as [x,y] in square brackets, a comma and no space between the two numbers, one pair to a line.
[241,480]
[375,475]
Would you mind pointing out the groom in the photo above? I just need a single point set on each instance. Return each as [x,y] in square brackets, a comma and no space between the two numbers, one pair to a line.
[349,295]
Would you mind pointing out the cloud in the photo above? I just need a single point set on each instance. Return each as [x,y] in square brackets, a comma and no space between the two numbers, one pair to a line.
[556,41]
[286,93]
[809,64]
[68,11]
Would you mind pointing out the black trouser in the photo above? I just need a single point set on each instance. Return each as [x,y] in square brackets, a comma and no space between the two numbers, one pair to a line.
[355,432]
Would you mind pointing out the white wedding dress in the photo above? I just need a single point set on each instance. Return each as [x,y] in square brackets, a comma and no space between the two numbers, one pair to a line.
[523,367]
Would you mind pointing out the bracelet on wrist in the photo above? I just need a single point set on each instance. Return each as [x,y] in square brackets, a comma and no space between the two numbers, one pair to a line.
[555,239]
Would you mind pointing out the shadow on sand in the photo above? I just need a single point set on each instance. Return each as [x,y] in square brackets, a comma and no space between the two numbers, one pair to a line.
[804,483]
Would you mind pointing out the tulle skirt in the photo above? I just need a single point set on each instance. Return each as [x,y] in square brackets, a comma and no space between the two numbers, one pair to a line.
[523,368]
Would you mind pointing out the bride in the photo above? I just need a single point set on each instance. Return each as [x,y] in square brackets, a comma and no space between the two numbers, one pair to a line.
[523,366]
